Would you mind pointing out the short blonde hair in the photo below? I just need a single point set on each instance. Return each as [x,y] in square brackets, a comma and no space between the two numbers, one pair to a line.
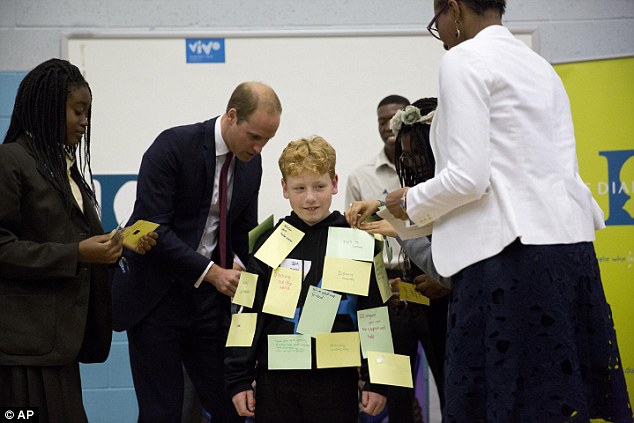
[312,154]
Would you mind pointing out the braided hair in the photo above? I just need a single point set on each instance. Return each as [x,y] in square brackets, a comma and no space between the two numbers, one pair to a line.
[422,164]
[39,114]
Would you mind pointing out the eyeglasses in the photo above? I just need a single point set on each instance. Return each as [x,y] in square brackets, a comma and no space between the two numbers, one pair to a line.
[432,27]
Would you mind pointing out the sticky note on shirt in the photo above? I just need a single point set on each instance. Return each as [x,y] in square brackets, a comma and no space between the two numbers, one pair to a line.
[374,330]
[339,349]
[390,369]
[381,277]
[245,292]
[283,292]
[279,244]
[242,330]
[256,233]
[288,352]
[345,275]
[350,243]
[319,311]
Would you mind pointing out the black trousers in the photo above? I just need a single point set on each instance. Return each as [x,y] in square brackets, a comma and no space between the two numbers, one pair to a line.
[187,328]
[307,396]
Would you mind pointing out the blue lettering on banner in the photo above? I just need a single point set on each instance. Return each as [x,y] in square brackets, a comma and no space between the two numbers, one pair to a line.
[110,186]
[619,195]
[205,50]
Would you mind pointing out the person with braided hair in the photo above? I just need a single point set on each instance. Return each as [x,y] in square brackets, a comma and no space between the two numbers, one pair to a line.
[530,335]
[55,303]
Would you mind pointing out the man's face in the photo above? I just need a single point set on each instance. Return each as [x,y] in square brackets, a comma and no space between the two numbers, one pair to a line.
[310,195]
[384,114]
[247,138]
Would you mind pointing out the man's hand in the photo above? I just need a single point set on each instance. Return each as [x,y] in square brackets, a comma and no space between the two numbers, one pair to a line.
[244,402]
[102,249]
[225,280]
[429,287]
[372,403]
[145,243]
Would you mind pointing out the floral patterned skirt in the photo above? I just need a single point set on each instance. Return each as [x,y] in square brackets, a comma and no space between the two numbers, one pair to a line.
[531,339]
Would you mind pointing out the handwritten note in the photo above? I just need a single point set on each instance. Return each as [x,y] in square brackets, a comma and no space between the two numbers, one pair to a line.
[339,349]
[287,352]
[245,292]
[319,311]
[280,243]
[381,277]
[350,243]
[256,233]
[283,292]
[242,330]
[345,275]
[390,369]
[374,330]
[408,292]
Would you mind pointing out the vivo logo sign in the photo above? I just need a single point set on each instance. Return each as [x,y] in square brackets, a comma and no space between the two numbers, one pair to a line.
[205,50]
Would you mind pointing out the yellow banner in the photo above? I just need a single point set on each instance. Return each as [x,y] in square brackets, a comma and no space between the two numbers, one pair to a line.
[602,101]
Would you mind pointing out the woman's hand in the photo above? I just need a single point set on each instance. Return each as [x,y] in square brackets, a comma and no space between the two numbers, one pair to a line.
[359,211]
[102,249]
[429,287]
[393,203]
[382,227]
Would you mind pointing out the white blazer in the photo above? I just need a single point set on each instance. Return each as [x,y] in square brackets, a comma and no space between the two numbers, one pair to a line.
[506,165]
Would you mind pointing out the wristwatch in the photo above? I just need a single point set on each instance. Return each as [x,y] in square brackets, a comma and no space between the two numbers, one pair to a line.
[403,202]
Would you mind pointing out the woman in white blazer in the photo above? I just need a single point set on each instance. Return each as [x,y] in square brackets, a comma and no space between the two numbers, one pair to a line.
[530,335]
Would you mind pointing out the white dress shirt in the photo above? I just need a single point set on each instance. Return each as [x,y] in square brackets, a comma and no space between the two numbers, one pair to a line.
[506,165]
[209,239]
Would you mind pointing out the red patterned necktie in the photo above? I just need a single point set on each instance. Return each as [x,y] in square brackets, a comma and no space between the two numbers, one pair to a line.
[222,204]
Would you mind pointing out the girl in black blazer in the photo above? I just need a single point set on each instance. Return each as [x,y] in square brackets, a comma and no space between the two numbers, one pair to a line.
[55,304]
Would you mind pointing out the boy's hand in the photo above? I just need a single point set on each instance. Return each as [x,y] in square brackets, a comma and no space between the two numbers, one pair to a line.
[372,403]
[225,280]
[244,402]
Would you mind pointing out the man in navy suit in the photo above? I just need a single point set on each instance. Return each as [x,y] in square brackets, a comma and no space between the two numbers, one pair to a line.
[174,302]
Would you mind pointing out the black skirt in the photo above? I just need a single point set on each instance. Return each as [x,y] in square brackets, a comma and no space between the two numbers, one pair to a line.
[531,339]
[54,390]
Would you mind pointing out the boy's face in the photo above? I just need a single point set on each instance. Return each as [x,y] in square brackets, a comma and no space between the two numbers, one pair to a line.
[310,195]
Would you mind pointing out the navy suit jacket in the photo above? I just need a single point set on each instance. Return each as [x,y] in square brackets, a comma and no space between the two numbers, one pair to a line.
[175,187]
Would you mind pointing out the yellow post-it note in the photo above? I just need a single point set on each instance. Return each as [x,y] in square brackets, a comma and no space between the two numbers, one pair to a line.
[349,243]
[345,275]
[288,352]
[280,243]
[283,292]
[245,292]
[374,330]
[133,234]
[390,369]
[381,277]
[242,330]
[408,292]
[256,233]
[339,349]
[319,311]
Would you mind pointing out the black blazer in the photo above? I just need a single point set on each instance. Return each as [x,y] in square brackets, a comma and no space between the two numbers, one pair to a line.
[53,311]
[174,189]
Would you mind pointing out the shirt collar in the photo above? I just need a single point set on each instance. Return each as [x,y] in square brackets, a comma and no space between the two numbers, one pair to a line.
[382,160]
[221,146]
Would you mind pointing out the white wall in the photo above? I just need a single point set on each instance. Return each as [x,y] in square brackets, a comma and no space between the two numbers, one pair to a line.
[31,30]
